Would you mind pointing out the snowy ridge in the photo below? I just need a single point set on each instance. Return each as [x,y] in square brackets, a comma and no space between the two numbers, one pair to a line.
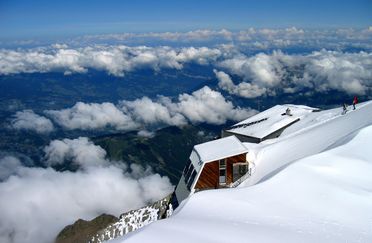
[312,184]
[311,135]
[134,220]
[130,222]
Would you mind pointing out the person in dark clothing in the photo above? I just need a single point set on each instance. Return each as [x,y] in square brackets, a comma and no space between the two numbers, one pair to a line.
[288,112]
[355,101]
[344,109]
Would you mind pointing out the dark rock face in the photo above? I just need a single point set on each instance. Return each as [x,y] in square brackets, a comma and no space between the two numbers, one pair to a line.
[134,220]
[83,231]
[106,227]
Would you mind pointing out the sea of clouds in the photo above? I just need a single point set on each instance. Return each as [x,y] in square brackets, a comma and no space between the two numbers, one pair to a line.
[251,38]
[260,72]
[320,71]
[36,203]
[202,106]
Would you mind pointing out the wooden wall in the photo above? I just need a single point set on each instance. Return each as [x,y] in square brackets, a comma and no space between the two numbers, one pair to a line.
[209,177]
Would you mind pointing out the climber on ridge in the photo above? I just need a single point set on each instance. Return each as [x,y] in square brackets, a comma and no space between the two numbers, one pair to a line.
[355,101]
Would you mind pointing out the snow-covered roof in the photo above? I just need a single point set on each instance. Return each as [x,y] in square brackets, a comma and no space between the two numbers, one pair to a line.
[270,120]
[219,149]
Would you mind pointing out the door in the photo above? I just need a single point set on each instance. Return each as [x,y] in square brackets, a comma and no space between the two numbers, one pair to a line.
[239,170]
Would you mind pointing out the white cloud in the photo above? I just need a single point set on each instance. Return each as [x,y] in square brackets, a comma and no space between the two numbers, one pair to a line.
[145,134]
[116,60]
[147,112]
[243,89]
[28,120]
[342,71]
[195,35]
[263,69]
[203,105]
[92,116]
[36,203]
[262,39]
[202,55]
[349,72]
[268,38]
[206,105]
[8,166]
[252,39]
[320,70]
[60,46]
[81,151]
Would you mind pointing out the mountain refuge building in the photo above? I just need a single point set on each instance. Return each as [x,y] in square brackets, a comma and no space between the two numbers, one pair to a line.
[225,162]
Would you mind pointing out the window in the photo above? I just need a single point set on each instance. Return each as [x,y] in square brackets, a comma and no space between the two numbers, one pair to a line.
[222,177]
[186,168]
[188,173]
[244,125]
[192,178]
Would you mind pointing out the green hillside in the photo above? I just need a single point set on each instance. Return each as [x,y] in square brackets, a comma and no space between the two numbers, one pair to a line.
[166,152]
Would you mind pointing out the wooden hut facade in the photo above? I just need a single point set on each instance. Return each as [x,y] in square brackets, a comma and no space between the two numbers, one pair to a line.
[215,164]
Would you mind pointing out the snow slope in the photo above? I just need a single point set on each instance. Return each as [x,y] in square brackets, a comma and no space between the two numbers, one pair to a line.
[314,133]
[302,195]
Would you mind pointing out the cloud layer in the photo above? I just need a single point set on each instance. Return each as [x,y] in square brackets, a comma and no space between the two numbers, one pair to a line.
[249,39]
[261,73]
[202,106]
[36,203]
[116,60]
[92,116]
[28,120]
[8,166]
[253,39]
[243,89]
[80,151]
[320,71]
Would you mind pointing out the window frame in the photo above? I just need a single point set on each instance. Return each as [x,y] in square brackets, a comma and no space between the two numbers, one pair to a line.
[191,179]
[222,167]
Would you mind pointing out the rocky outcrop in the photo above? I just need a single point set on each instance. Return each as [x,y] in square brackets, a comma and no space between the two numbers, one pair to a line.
[134,220]
[106,227]
[83,231]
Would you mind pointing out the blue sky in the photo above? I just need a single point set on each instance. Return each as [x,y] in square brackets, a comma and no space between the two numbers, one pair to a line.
[41,18]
